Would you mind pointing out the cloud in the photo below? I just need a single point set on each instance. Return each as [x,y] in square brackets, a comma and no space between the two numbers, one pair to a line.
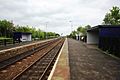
[57,13]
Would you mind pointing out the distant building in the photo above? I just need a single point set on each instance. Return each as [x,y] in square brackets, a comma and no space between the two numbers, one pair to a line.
[78,36]
[81,37]
[22,36]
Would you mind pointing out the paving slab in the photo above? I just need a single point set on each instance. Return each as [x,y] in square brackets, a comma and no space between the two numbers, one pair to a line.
[61,68]
[88,63]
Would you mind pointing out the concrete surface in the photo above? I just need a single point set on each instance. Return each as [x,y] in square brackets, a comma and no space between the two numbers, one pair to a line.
[88,63]
[61,71]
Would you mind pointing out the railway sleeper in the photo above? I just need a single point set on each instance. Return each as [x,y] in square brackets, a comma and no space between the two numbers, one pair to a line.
[43,66]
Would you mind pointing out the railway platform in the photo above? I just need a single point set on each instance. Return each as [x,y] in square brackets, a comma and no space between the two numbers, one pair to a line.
[2,47]
[60,70]
[89,63]
[80,61]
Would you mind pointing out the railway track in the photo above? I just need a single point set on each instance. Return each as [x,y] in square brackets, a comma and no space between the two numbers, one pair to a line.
[41,69]
[16,58]
[38,63]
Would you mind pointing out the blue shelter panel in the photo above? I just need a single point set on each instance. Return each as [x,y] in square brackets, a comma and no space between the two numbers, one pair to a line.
[109,32]
[17,35]
[109,39]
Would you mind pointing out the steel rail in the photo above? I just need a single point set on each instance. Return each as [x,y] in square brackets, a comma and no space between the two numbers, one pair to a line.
[47,55]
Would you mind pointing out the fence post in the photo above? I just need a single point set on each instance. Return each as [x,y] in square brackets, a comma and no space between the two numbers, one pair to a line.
[13,41]
[4,42]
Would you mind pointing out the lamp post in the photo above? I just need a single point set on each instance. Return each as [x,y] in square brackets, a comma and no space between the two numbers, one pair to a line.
[71,25]
[46,29]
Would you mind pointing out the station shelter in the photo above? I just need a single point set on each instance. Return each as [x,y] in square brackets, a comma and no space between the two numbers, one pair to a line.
[22,36]
[107,37]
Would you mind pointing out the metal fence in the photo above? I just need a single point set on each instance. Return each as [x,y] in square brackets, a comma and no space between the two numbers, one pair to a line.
[4,42]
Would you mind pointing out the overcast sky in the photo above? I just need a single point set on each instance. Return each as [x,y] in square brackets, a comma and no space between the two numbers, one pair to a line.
[56,13]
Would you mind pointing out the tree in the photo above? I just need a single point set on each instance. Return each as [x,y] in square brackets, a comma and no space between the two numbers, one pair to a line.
[52,34]
[23,28]
[57,35]
[113,17]
[81,30]
[87,27]
[6,28]
[73,34]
